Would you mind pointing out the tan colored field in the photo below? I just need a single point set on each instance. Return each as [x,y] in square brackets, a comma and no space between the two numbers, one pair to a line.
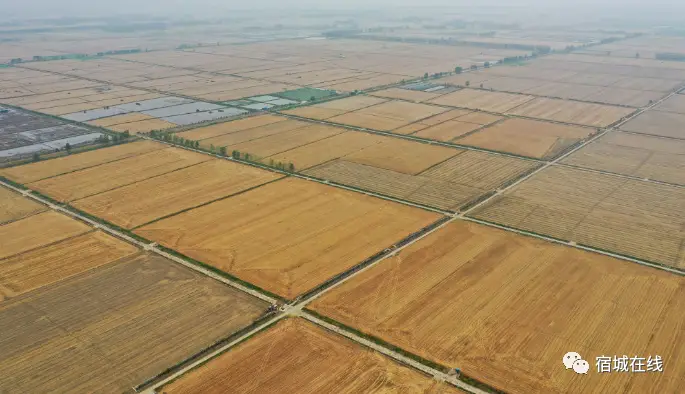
[231,127]
[564,90]
[94,180]
[653,84]
[447,131]
[143,126]
[631,97]
[482,100]
[36,231]
[327,149]
[335,107]
[288,236]
[251,134]
[675,103]
[448,185]
[405,94]
[141,202]
[119,119]
[530,138]
[664,124]
[50,264]
[643,156]
[445,116]
[281,142]
[480,118]
[111,328]
[388,116]
[62,165]
[14,206]
[401,155]
[505,308]
[298,356]
[633,218]
[68,109]
[587,114]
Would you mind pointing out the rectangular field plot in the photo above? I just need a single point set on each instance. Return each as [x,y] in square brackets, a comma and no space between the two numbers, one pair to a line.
[202,133]
[256,133]
[496,305]
[388,116]
[644,156]
[133,122]
[94,180]
[14,206]
[62,165]
[405,94]
[482,100]
[304,358]
[632,218]
[332,108]
[675,103]
[530,138]
[141,202]
[36,231]
[409,157]
[288,236]
[659,123]
[587,114]
[58,261]
[111,328]
[449,185]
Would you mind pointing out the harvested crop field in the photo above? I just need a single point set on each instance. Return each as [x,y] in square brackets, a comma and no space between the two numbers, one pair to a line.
[301,357]
[409,157]
[447,131]
[202,133]
[633,218]
[664,124]
[587,114]
[497,304]
[46,169]
[449,185]
[55,262]
[288,236]
[143,126]
[251,134]
[94,180]
[530,138]
[14,206]
[111,328]
[119,119]
[482,100]
[332,108]
[405,94]
[388,116]
[327,149]
[644,156]
[36,231]
[281,142]
[675,103]
[141,202]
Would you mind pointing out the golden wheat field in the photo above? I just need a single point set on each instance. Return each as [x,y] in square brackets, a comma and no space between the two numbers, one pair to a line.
[150,199]
[482,100]
[89,181]
[405,156]
[14,206]
[62,165]
[530,138]
[111,328]
[288,236]
[643,156]
[202,133]
[297,356]
[388,116]
[658,123]
[38,230]
[448,185]
[586,114]
[625,216]
[505,308]
[55,262]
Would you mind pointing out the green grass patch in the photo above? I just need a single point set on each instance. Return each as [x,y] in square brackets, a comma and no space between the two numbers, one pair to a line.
[12,183]
[306,94]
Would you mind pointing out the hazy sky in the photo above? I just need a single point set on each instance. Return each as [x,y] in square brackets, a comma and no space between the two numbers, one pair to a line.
[58,8]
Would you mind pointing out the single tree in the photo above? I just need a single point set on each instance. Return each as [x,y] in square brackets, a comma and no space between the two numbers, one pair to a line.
[486,65]
[458,70]
[468,83]
[425,76]
[212,148]
[35,157]
[67,147]
[312,98]
[291,167]
[481,86]
[222,150]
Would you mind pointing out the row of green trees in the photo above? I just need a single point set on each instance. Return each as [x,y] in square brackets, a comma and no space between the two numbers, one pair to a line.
[221,150]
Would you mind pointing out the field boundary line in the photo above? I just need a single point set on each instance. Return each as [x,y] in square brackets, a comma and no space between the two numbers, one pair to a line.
[619,175]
